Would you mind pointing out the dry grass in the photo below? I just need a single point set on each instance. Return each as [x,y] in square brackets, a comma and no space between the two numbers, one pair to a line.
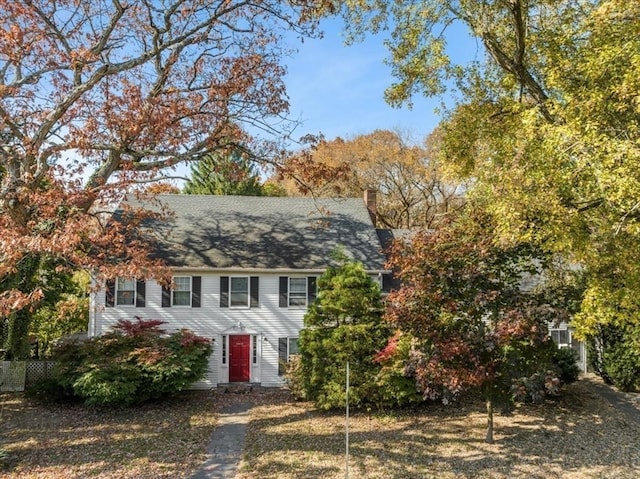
[72,441]
[576,436]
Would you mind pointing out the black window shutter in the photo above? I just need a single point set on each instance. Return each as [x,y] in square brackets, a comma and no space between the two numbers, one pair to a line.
[196,287]
[284,291]
[311,289]
[166,297]
[224,291]
[282,355]
[110,294]
[141,288]
[254,290]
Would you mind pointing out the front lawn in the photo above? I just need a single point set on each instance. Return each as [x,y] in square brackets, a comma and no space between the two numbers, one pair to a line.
[163,440]
[576,436]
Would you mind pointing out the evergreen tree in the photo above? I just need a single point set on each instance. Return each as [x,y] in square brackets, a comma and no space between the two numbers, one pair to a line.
[228,173]
[343,324]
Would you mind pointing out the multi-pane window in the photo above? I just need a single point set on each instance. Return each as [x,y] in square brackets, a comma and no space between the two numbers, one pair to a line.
[224,349]
[286,348]
[293,347]
[560,337]
[297,292]
[125,292]
[254,353]
[239,291]
[182,291]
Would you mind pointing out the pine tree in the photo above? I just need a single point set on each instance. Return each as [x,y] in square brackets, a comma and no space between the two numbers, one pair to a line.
[228,173]
[343,324]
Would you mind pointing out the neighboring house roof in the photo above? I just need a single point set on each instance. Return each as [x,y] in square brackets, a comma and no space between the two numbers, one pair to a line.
[248,232]
[388,236]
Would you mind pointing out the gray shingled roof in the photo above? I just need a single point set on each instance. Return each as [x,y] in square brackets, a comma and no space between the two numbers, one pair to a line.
[264,232]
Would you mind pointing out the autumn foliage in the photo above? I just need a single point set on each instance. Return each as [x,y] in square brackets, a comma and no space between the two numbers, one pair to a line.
[472,325]
[101,97]
[411,188]
[135,362]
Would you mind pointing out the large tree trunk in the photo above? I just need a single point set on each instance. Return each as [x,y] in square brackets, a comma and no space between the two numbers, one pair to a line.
[489,438]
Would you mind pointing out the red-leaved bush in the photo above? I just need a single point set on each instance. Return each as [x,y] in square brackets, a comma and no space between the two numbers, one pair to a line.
[135,362]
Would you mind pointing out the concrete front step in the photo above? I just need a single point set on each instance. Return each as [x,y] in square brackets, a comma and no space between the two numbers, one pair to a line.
[238,388]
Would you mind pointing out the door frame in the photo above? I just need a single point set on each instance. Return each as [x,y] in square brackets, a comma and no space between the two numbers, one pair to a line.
[255,347]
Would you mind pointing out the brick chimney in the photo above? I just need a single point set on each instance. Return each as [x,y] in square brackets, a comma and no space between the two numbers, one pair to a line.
[372,206]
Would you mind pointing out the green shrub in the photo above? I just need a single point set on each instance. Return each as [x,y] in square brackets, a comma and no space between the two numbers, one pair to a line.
[565,366]
[134,363]
[622,366]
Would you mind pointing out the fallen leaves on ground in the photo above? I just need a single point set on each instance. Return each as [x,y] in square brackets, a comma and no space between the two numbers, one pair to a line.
[578,435]
[158,440]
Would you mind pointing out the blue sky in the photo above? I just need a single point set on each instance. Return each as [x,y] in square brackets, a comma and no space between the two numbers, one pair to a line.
[338,90]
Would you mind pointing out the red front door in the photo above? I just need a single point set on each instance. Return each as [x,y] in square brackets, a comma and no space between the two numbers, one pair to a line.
[239,348]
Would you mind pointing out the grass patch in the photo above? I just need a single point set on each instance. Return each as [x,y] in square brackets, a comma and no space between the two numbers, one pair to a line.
[578,435]
[575,436]
[157,440]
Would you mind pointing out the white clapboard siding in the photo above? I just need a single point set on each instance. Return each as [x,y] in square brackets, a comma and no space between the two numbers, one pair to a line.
[265,324]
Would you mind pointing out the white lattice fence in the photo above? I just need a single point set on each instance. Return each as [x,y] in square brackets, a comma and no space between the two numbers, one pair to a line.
[12,375]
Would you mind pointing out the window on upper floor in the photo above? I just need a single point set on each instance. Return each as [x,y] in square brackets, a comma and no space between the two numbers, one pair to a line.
[184,291]
[181,291]
[297,291]
[125,292]
[239,292]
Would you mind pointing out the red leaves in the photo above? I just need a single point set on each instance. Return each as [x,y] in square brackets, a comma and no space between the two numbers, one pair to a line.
[188,339]
[98,97]
[140,327]
[462,303]
[389,350]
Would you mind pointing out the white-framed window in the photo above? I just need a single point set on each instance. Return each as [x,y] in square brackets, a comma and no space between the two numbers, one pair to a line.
[562,337]
[292,344]
[239,291]
[297,292]
[286,348]
[125,292]
[181,291]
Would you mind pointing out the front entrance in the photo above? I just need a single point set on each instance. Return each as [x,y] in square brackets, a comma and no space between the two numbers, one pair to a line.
[239,348]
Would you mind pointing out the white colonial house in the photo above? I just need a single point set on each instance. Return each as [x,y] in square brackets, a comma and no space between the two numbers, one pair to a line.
[244,272]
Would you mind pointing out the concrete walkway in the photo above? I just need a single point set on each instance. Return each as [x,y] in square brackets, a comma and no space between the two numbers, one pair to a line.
[227,442]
